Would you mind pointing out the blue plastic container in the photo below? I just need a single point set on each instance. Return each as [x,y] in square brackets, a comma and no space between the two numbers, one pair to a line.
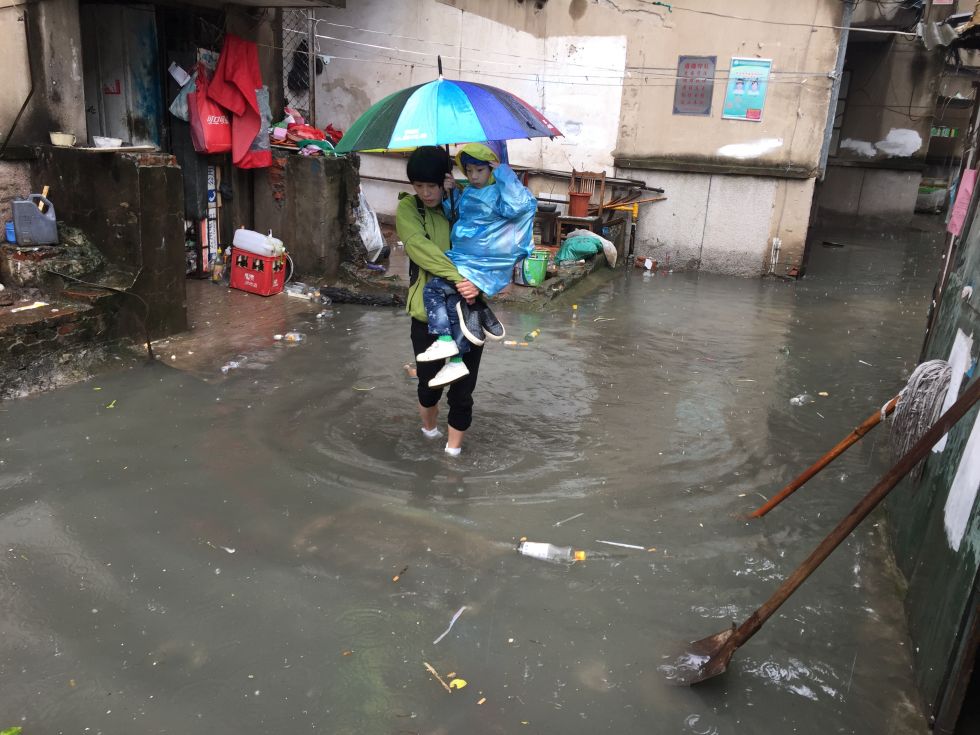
[9,231]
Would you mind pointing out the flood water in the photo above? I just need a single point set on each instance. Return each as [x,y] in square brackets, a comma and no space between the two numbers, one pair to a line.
[218,556]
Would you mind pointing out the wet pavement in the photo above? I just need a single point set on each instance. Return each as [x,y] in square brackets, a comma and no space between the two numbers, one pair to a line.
[182,556]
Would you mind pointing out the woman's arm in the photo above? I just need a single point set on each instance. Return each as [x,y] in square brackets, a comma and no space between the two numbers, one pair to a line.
[418,247]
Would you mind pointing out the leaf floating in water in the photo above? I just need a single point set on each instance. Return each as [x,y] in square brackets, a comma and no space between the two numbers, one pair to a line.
[12,731]
[457,683]
[111,405]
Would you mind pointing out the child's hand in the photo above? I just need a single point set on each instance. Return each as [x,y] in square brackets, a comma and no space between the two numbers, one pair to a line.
[494,164]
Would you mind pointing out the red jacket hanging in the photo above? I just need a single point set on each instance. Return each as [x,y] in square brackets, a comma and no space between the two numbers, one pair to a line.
[233,87]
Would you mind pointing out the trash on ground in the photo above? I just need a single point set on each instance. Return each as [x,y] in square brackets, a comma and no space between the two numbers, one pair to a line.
[457,683]
[801,400]
[289,337]
[572,518]
[435,673]
[325,314]
[823,394]
[550,552]
[530,336]
[347,653]
[399,575]
[865,363]
[112,404]
[232,365]
[451,624]
[346,296]
[604,319]
[622,546]
[35,305]
[482,700]
[363,388]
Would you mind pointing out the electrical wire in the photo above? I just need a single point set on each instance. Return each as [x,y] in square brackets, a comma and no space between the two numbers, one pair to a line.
[146,306]
[728,16]
[543,78]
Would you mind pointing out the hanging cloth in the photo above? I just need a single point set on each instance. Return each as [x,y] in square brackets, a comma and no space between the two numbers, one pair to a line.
[234,87]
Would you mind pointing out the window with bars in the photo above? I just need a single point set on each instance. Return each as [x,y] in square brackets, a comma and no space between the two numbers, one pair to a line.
[299,62]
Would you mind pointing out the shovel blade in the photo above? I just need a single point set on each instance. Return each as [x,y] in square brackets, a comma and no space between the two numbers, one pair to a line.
[701,660]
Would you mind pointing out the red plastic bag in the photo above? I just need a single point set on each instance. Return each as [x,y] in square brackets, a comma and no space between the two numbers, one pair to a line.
[333,134]
[210,126]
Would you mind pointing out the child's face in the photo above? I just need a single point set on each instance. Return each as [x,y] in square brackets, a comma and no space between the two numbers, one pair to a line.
[478,176]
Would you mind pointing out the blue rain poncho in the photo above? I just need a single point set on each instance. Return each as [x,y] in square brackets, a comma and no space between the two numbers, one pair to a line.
[493,230]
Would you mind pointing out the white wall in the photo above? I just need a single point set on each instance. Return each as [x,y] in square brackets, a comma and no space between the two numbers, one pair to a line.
[390,46]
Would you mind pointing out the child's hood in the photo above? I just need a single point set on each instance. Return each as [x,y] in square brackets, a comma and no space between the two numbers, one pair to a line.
[480,152]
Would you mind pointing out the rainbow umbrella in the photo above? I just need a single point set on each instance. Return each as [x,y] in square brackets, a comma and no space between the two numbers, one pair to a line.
[444,112]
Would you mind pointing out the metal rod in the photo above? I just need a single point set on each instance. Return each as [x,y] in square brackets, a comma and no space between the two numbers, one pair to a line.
[828,132]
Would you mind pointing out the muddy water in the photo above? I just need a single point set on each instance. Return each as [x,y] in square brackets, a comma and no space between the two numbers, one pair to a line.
[218,557]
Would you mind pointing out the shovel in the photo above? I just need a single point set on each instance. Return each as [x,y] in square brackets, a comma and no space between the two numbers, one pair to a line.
[867,425]
[709,657]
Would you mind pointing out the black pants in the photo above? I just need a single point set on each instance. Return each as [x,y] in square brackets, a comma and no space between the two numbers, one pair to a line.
[460,392]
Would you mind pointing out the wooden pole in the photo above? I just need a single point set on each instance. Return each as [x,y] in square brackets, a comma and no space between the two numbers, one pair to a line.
[869,423]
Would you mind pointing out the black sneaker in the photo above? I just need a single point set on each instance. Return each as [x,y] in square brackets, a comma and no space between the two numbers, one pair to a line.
[469,322]
[492,328]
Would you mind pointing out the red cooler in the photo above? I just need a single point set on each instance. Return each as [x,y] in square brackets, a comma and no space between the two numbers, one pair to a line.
[264,275]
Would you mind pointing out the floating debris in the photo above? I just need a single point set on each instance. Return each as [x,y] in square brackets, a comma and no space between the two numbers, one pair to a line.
[622,546]
[435,673]
[451,624]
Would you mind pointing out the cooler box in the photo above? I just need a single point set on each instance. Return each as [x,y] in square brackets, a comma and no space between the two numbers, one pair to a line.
[261,274]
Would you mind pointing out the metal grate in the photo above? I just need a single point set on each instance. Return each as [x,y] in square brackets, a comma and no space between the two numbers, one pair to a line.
[298,62]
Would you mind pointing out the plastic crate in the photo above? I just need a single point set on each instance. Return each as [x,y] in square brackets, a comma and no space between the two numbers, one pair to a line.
[264,275]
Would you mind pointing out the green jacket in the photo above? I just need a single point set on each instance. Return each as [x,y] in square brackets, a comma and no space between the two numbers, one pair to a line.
[426,241]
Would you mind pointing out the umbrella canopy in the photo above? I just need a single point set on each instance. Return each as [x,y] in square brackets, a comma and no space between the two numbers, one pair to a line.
[443,112]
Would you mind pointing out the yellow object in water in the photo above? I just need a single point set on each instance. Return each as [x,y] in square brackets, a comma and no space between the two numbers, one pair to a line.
[457,684]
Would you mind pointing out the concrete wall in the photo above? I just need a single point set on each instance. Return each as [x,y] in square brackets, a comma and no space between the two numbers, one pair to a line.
[308,204]
[890,102]
[15,182]
[16,79]
[723,223]
[884,194]
[604,73]
[131,207]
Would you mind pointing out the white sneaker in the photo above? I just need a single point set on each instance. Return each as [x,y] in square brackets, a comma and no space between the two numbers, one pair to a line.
[438,350]
[431,433]
[450,373]
[453,451]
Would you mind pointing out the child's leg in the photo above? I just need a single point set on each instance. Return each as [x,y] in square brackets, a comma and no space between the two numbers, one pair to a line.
[459,338]
[435,298]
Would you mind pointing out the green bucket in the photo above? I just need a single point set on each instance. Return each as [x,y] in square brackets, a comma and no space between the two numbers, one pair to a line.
[536,268]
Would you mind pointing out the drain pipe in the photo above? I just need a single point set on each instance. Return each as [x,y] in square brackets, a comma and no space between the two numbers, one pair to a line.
[777,244]
[30,70]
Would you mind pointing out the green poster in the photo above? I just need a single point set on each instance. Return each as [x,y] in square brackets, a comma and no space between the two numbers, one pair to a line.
[745,96]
